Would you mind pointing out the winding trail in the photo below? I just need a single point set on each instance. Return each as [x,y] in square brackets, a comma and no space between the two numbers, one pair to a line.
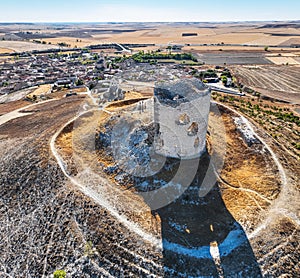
[134,227]
[274,156]
[100,199]
[277,206]
[243,189]
[88,192]
[123,219]
[97,197]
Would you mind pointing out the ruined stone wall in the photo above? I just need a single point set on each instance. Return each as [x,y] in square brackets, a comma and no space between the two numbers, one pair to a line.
[181,111]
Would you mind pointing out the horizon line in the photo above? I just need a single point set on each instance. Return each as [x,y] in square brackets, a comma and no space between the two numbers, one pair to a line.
[115,22]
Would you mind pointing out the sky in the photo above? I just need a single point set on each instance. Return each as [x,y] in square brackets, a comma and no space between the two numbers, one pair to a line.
[147,11]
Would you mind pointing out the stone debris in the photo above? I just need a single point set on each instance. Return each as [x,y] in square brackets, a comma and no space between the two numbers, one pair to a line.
[180,91]
[245,131]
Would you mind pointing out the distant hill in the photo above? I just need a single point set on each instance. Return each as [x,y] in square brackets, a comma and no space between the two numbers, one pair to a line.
[280,25]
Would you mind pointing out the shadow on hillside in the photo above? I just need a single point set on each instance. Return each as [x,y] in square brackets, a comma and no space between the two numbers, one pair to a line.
[191,225]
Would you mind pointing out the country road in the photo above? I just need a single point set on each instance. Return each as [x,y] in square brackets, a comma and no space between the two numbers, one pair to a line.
[225,90]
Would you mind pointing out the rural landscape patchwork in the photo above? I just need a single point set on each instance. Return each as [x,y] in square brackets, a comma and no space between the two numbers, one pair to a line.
[149,148]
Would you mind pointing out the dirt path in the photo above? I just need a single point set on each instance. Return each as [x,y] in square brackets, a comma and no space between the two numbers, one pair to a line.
[17,113]
[94,195]
[62,116]
[284,198]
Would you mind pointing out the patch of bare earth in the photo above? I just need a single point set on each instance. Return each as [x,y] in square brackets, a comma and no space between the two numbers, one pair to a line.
[11,106]
[249,179]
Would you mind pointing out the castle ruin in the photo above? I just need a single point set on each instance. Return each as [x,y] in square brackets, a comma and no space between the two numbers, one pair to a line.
[181,110]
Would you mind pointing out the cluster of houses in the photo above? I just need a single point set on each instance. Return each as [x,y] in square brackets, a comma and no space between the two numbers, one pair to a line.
[60,70]
[75,69]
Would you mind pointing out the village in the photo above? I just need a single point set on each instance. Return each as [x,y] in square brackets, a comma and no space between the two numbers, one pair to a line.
[88,67]
[60,70]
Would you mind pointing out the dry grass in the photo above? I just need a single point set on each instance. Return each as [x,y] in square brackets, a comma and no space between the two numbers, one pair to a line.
[64,141]
[205,48]
[283,60]
[270,40]
[79,90]
[246,169]
[172,34]
[226,38]
[41,90]
[11,106]
[148,48]
[133,95]
[117,105]
[71,41]
[165,34]
[6,50]
[20,46]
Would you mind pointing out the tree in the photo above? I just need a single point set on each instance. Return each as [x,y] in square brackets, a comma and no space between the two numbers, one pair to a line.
[170,49]
[79,82]
[266,48]
[224,79]
[59,274]
[92,86]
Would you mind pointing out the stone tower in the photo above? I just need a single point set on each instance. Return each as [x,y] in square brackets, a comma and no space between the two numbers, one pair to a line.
[181,110]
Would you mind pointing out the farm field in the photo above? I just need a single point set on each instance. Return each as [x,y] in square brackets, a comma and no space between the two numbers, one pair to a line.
[20,46]
[288,59]
[280,82]
[209,34]
[210,48]
[232,58]
[43,89]
[257,34]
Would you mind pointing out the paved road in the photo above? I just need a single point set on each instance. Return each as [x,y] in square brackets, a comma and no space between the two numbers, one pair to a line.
[123,48]
[225,90]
